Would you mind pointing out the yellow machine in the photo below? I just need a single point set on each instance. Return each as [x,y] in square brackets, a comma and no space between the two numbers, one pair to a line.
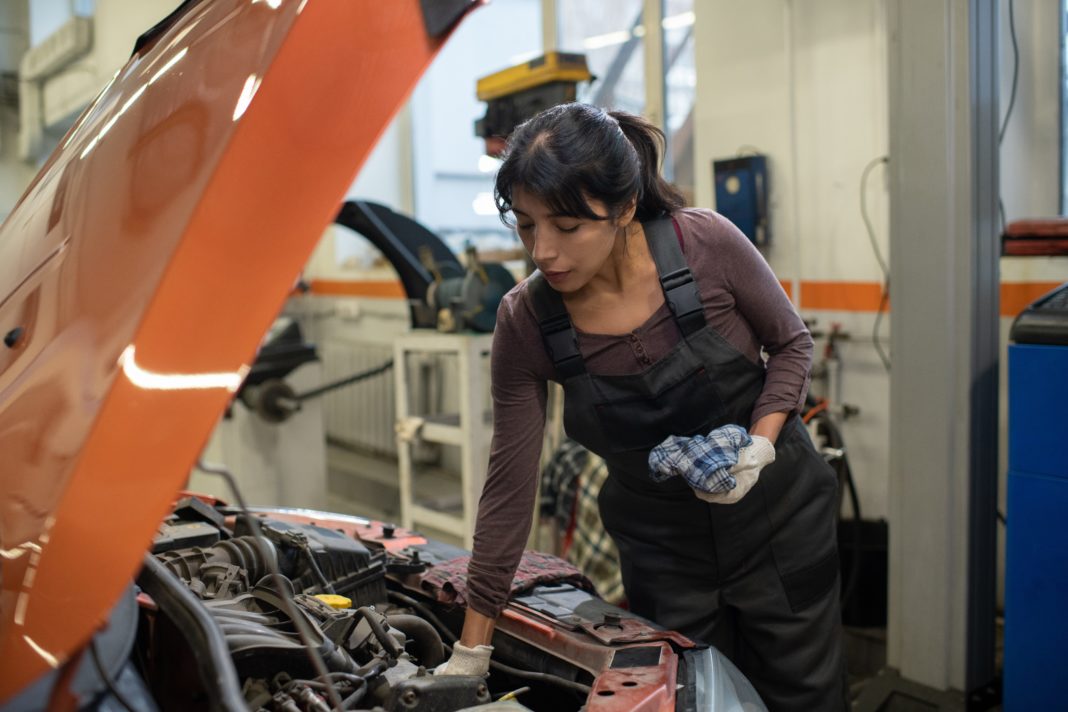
[515,94]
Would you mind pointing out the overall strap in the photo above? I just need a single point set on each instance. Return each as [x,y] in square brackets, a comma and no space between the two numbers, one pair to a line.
[680,289]
[556,331]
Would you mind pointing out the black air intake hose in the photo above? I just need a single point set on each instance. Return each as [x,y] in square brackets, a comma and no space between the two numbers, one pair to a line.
[213,662]
[427,643]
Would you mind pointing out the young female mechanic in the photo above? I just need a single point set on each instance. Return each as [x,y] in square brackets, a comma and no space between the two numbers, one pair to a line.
[653,317]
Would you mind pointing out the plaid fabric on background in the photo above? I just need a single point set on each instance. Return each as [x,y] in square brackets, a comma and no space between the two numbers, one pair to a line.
[592,550]
[702,460]
[559,480]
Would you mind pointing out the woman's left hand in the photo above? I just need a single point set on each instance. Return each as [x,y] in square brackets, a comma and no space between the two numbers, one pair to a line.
[751,460]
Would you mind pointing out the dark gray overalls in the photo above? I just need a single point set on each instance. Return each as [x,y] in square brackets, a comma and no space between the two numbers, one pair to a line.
[757,579]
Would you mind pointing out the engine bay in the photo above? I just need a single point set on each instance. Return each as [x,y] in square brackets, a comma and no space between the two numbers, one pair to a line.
[281,612]
[291,601]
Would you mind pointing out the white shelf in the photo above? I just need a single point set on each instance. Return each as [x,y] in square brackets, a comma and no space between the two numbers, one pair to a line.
[469,429]
[451,523]
[446,428]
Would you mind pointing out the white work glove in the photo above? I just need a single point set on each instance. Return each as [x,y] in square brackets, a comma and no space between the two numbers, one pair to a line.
[466,661]
[751,460]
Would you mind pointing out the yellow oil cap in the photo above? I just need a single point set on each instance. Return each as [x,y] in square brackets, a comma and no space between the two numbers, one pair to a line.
[337,602]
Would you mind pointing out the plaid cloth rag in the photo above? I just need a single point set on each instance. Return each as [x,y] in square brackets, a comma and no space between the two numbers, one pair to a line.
[448,580]
[703,460]
[592,550]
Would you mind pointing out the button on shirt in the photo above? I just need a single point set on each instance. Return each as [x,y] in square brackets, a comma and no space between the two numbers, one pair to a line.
[638,347]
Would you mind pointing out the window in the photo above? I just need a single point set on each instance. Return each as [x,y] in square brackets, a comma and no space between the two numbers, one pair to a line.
[680,85]
[453,180]
[612,43]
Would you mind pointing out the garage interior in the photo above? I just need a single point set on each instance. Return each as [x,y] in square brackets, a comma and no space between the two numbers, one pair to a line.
[901,167]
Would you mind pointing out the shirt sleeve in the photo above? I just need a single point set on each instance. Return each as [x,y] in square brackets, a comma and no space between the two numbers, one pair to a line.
[506,508]
[761,301]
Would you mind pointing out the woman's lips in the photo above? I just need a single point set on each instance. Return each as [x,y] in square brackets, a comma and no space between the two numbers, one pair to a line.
[555,276]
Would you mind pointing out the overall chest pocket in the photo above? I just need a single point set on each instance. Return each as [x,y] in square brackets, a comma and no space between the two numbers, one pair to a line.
[640,419]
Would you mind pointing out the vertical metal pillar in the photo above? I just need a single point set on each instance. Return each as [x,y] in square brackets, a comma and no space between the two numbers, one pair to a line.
[944,324]
[549,26]
[652,19]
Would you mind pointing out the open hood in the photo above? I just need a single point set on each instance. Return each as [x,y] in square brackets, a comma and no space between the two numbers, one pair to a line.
[144,264]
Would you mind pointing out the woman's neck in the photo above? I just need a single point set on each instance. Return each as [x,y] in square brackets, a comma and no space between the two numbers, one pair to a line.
[627,264]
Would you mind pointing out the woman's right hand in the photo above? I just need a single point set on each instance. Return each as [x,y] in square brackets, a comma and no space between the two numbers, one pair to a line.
[471,655]
[467,661]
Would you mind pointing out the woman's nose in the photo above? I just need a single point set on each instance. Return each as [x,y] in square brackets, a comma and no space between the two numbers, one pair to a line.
[544,247]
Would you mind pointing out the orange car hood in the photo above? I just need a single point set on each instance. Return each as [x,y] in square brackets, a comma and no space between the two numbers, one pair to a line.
[142,267]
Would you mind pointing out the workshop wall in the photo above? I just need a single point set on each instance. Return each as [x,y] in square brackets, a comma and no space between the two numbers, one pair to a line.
[806,83]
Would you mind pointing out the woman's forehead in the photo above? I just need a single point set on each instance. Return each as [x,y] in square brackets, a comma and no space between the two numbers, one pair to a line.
[532,204]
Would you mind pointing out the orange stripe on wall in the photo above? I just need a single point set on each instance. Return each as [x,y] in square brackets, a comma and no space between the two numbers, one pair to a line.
[842,296]
[381,289]
[1015,296]
[865,296]
[826,296]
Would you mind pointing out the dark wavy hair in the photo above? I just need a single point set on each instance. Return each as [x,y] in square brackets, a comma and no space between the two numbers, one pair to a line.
[573,152]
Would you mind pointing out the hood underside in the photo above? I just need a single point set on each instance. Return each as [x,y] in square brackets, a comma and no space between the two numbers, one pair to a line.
[144,264]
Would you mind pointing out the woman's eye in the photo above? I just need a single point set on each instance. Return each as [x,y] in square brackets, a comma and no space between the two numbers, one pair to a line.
[524,227]
[572,228]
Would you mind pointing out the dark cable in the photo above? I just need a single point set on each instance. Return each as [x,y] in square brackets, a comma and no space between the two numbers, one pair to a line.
[883,299]
[1012,95]
[885,296]
[106,677]
[1005,125]
[845,475]
[347,381]
[1015,71]
[290,608]
[545,677]
[305,549]
[864,212]
[412,603]
[388,642]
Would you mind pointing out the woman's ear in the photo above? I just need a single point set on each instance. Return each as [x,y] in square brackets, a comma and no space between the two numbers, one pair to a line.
[627,215]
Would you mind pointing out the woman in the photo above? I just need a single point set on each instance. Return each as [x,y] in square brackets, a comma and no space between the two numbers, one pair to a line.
[653,318]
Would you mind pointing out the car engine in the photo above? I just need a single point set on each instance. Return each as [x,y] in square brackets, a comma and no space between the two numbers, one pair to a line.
[294,604]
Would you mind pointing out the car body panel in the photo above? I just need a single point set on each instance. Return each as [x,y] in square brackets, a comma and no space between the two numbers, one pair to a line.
[145,263]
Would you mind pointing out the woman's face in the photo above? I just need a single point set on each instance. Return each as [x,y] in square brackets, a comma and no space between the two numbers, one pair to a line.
[568,250]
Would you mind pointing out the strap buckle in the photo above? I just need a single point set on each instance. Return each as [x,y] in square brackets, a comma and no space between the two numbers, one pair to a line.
[683,299]
[562,345]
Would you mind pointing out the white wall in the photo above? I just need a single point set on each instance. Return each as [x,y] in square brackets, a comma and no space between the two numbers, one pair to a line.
[836,108]
[819,130]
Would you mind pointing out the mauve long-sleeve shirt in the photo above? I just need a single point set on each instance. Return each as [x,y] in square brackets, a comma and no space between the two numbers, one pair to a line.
[743,301]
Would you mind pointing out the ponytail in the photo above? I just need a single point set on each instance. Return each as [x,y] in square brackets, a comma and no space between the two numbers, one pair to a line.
[656,196]
[571,153]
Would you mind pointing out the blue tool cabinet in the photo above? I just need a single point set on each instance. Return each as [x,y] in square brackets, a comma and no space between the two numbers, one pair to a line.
[1036,578]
